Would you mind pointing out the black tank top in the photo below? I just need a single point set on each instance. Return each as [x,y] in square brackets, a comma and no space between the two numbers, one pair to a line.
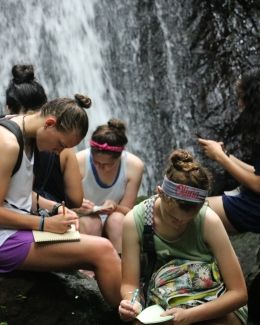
[48,180]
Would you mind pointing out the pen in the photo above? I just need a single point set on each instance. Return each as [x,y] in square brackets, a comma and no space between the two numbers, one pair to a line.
[134,296]
[63,207]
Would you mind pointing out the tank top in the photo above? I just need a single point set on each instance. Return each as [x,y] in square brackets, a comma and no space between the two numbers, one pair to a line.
[190,245]
[19,195]
[48,177]
[97,192]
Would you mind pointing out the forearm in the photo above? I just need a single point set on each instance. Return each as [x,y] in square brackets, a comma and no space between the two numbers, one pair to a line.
[242,175]
[74,201]
[41,202]
[127,291]
[242,164]
[227,303]
[15,220]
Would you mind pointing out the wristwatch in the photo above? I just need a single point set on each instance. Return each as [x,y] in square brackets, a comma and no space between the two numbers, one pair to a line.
[55,209]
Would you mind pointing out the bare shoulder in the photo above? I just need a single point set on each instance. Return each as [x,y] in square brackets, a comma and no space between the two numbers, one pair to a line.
[81,155]
[9,149]
[67,153]
[212,217]
[213,226]
[67,157]
[134,162]
[129,220]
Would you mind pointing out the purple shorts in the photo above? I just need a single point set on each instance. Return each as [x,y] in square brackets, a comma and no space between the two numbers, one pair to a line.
[14,250]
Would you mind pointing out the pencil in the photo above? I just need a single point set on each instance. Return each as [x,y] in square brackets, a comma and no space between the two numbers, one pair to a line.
[63,207]
[135,295]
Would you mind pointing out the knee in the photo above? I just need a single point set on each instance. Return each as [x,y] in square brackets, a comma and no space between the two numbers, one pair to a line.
[106,252]
[115,219]
[91,226]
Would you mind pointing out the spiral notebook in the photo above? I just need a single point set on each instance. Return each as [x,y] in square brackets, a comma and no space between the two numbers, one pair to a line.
[44,236]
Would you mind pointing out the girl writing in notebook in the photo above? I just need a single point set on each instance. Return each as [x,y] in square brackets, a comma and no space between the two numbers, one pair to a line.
[56,177]
[184,228]
[61,123]
[111,177]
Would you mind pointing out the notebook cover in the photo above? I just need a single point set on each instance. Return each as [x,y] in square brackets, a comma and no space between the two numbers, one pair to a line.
[44,236]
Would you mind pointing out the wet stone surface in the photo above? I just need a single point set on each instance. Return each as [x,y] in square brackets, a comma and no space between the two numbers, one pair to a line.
[53,299]
[69,298]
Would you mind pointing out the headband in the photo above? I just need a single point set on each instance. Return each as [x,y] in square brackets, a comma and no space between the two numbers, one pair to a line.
[105,146]
[183,192]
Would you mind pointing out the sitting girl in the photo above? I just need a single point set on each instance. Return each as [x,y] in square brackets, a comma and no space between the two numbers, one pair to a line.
[184,228]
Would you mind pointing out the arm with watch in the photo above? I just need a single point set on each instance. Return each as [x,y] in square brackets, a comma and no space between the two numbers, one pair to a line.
[59,221]
[50,207]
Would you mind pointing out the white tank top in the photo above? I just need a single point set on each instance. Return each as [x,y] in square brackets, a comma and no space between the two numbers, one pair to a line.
[97,192]
[19,195]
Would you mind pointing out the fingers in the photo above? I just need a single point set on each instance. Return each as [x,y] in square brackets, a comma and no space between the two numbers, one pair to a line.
[203,141]
[87,204]
[126,311]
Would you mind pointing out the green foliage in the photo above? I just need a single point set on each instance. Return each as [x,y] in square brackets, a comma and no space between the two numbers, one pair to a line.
[141,198]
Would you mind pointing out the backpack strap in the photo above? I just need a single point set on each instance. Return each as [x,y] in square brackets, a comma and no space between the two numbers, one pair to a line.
[148,243]
[14,128]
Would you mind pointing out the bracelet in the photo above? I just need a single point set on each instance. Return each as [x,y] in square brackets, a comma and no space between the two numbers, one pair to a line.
[55,209]
[41,224]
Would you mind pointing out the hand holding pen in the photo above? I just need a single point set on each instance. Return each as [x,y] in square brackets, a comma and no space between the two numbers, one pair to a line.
[138,307]
[130,307]
[134,296]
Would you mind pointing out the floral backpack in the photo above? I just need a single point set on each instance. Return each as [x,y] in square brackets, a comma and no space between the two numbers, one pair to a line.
[179,282]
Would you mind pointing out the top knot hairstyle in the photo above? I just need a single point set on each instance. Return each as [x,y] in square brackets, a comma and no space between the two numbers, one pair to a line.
[113,133]
[70,113]
[183,169]
[24,92]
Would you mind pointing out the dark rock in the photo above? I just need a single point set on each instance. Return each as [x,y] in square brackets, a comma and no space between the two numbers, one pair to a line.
[248,251]
[69,298]
[53,299]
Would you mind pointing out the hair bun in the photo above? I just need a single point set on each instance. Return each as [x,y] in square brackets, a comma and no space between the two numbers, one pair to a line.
[116,124]
[22,73]
[182,160]
[83,101]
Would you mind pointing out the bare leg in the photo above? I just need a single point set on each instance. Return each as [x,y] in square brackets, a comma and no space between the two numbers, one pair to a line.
[113,230]
[216,204]
[91,225]
[90,251]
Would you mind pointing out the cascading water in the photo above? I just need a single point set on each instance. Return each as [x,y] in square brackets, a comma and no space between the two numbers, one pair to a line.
[165,67]
[59,39]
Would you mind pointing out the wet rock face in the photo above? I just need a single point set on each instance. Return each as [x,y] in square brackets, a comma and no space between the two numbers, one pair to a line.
[70,299]
[174,65]
[52,299]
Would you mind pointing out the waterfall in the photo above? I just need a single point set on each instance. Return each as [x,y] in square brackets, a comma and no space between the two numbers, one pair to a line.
[164,67]
[60,40]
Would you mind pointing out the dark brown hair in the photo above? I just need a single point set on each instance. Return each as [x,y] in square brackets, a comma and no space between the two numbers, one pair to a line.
[70,113]
[182,168]
[24,92]
[113,133]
